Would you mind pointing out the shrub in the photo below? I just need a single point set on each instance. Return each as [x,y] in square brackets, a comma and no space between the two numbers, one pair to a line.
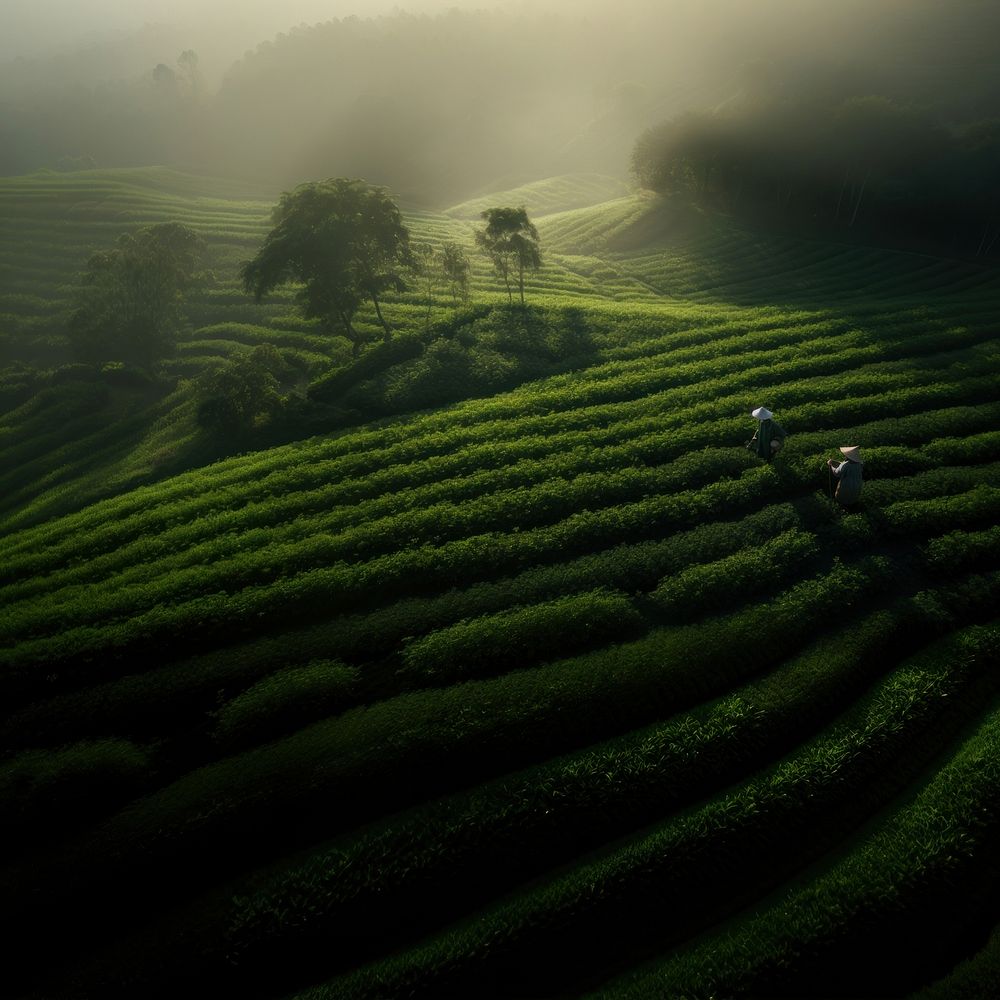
[45,793]
[286,700]
[522,636]
[245,391]
[716,585]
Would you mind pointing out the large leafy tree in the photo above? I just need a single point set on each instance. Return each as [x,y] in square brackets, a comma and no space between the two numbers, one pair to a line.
[344,241]
[510,241]
[130,306]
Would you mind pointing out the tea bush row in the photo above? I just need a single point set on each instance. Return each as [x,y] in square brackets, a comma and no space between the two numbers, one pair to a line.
[468,846]
[152,700]
[923,872]
[521,637]
[686,870]
[391,754]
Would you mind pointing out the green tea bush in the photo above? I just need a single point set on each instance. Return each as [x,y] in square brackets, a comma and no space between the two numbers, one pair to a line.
[961,551]
[287,700]
[924,870]
[46,794]
[690,867]
[388,754]
[467,845]
[273,595]
[156,698]
[522,636]
[712,586]
[977,506]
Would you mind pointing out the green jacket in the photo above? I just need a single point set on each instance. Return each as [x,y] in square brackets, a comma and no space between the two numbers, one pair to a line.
[768,431]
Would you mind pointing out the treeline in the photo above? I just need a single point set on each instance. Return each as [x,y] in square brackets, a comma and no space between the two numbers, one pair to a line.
[437,108]
[441,108]
[867,164]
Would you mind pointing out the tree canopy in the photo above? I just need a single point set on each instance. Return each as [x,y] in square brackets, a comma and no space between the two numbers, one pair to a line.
[245,390]
[344,241]
[130,305]
[864,163]
[510,241]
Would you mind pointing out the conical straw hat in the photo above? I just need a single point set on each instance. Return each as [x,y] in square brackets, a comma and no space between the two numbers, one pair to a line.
[761,413]
[852,454]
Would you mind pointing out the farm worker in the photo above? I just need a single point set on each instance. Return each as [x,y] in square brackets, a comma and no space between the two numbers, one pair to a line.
[770,434]
[848,473]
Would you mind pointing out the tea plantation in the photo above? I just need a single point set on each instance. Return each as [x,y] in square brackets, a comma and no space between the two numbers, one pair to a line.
[553,690]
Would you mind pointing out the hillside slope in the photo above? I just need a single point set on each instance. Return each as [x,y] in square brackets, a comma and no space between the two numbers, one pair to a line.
[103,439]
[553,691]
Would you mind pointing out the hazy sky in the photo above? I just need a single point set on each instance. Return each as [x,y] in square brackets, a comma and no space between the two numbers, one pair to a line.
[31,26]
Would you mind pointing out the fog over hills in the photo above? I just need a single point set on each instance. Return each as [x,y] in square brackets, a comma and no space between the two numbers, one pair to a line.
[445,104]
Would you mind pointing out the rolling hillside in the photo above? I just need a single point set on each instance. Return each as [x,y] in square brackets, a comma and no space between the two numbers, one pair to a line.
[551,692]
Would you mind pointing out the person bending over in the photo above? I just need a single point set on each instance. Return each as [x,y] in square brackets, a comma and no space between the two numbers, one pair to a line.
[848,475]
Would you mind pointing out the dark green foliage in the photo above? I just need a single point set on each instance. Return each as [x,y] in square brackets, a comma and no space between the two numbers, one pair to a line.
[521,636]
[130,307]
[18,383]
[476,352]
[334,386]
[973,979]
[245,391]
[665,878]
[510,241]
[760,570]
[286,700]
[510,827]
[344,241]
[980,505]
[121,375]
[927,869]
[47,794]
[863,161]
[681,676]
[427,742]
[964,550]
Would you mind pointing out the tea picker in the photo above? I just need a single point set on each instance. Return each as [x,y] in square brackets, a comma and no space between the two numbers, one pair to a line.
[770,434]
[848,476]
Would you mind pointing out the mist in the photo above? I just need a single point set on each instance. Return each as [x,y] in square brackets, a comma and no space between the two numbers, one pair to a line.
[32,28]
[443,100]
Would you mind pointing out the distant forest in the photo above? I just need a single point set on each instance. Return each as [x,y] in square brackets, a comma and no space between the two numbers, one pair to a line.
[441,108]
[866,165]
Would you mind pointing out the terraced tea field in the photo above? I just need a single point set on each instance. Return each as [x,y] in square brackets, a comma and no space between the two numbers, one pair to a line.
[555,692]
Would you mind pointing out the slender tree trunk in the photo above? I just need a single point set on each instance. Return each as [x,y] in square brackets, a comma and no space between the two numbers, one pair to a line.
[520,280]
[506,281]
[385,326]
[350,333]
[861,195]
